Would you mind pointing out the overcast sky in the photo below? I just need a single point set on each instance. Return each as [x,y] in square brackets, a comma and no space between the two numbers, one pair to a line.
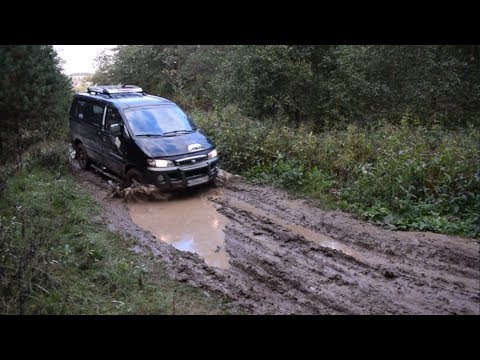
[79,58]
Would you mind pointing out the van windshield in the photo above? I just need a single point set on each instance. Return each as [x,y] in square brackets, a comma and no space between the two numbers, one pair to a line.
[165,120]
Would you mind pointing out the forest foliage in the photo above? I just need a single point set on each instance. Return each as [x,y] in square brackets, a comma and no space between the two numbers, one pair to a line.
[390,133]
[325,85]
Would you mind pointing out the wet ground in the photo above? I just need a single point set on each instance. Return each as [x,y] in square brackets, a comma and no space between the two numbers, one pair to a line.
[275,254]
[188,223]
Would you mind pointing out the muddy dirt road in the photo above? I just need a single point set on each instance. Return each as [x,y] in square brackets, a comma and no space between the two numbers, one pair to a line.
[274,254]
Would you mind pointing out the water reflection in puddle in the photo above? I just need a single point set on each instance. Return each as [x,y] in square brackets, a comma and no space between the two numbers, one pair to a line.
[189,224]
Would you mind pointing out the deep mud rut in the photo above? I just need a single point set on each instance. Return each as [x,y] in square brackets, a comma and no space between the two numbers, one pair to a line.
[286,256]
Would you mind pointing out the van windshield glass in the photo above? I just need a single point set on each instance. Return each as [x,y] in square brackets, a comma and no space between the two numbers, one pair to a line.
[167,120]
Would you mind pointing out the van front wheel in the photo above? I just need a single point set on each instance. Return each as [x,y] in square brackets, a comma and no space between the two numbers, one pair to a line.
[82,157]
[133,176]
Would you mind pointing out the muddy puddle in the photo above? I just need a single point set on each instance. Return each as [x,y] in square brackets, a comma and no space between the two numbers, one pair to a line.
[272,272]
[189,223]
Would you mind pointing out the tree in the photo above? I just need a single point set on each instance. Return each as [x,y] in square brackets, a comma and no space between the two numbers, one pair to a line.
[321,85]
[34,97]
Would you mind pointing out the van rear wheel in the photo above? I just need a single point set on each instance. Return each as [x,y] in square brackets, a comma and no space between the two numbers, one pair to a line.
[82,157]
[133,176]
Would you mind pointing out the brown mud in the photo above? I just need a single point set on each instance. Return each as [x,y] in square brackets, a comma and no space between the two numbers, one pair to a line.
[281,255]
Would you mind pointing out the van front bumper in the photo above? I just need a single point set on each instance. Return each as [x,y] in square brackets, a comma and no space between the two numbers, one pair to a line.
[179,177]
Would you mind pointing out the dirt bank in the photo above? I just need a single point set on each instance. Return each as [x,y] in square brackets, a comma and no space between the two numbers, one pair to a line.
[289,257]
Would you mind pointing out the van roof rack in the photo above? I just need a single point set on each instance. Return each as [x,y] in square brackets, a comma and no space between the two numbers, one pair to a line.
[114,89]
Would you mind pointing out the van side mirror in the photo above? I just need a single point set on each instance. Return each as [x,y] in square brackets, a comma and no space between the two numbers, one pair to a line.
[116,129]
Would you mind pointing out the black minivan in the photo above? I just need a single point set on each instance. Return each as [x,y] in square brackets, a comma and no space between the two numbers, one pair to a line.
[140,137]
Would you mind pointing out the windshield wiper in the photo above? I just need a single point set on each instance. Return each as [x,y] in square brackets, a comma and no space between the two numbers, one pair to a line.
[177,132]
[148,134]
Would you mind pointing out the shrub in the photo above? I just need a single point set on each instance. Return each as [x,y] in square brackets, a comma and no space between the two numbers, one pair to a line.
[402,176]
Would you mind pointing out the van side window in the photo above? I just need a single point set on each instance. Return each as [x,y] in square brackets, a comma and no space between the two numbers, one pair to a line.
[96,114]
[79,110]
[73,108]
[112,117]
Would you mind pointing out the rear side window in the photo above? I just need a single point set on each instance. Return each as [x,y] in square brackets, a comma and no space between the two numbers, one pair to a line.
[89,112]
[78,109]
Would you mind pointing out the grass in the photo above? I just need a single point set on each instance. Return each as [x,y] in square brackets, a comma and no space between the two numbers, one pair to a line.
[401,176]
[58,257]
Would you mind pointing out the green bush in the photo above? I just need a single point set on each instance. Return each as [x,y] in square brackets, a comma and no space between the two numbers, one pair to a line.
[403,176]
[34,98]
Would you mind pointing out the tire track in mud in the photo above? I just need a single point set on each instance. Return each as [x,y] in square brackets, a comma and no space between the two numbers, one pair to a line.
[350,267]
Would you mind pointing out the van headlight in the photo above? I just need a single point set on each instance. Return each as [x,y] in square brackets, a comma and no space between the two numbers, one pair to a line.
[212,154]
[159,163]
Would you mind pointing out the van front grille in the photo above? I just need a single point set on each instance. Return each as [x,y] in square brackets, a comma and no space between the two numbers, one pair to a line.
[191,160]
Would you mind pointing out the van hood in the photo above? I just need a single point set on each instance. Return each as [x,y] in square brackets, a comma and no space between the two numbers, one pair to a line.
[155,147]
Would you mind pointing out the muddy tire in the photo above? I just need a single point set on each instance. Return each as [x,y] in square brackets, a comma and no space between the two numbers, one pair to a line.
[133,176]
[82,157]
